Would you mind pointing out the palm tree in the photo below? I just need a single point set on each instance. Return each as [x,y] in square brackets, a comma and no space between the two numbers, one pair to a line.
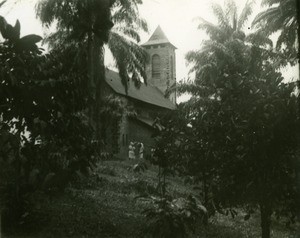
[232,68]
[225,39]
[87,24]
[281,15]
[230,23]
[122,38]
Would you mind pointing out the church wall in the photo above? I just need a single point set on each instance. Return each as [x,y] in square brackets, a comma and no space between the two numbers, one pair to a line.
[139,132]
[133,130]
[118,145]
[148,111]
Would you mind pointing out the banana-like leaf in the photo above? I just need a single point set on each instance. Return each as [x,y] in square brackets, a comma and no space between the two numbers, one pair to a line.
[28,42]
[17,29]
[8,31]
[3,25]
[32,39]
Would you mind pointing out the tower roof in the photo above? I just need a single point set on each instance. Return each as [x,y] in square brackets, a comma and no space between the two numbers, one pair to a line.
[158,37]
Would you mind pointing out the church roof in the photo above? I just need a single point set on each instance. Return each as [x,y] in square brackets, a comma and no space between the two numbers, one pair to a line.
[145,93]
[158,37]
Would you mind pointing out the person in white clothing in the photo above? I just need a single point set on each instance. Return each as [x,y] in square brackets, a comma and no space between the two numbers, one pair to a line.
[141,152]
[131,148]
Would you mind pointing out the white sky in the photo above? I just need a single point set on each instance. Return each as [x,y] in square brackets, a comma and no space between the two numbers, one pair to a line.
[176,17]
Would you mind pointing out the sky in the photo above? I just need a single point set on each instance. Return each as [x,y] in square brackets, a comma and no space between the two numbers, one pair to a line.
[177,18]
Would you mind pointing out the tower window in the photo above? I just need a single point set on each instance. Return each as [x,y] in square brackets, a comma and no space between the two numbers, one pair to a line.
[155,66]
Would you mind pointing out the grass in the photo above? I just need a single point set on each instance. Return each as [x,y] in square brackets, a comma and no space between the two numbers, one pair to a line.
[104,205]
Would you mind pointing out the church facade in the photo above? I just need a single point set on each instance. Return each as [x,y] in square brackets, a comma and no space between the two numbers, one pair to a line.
[148,101]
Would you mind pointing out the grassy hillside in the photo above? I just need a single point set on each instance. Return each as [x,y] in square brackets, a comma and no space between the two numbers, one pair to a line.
[105,205]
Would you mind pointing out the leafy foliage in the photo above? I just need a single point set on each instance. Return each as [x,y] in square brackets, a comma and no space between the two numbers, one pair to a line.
[238,136]
[173,218]
[87,25]
[170,217]
[122,39]
[281,16]
[46,135]
[12,34]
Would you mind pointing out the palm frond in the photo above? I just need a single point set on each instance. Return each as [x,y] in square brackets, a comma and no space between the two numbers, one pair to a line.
[235,49]
[130,59]
[190,87]
[126,13]
[231,15]
[260,38]
[197,56]
[129,32]
[269,2]
[213,31]
[49,10]
[265,16]
[206,72]
[113,107]
[277,17]
[288,36]
[281,17]
[218,49]
[221,15]
[245,14]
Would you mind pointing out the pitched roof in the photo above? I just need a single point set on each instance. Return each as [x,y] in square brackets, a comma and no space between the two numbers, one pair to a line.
[147,121]
[145,93]
[158,37]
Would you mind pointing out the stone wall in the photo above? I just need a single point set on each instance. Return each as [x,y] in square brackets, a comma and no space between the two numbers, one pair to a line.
[139,132]
[168,67]
[133,130]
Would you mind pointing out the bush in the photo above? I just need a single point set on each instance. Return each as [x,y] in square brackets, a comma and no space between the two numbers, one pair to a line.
[173,218]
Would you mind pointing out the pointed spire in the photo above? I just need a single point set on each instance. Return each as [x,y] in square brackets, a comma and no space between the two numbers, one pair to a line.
[158,37]
[158,34]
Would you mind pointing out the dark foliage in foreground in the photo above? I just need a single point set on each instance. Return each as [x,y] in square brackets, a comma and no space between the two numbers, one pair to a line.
[45,135]
[236,138]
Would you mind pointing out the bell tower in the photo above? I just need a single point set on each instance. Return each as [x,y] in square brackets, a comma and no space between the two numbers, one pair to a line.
[161,69]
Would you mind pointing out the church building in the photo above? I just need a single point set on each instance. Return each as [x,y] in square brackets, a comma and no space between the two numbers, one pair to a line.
[149,101]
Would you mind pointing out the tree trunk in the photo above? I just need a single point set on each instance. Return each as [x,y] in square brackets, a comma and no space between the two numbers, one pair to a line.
[91,85]
[96,74]
[0,222]
[99,77]
[265,214]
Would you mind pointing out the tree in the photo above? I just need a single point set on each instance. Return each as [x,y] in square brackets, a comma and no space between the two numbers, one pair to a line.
[281,16]
[89,19]
[243,120]
[229,28]
[45,137]
[230,22]
[77,26]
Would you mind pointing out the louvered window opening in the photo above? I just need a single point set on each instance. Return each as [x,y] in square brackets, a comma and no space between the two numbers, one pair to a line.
[155,66]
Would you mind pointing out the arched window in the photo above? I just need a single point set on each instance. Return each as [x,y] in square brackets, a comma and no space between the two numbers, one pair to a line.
[155,66]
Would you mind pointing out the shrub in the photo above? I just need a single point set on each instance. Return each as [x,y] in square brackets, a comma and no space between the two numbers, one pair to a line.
[173,218]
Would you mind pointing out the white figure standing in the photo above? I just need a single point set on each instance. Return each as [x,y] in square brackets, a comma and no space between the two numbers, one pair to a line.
[141,152]
[131,149]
